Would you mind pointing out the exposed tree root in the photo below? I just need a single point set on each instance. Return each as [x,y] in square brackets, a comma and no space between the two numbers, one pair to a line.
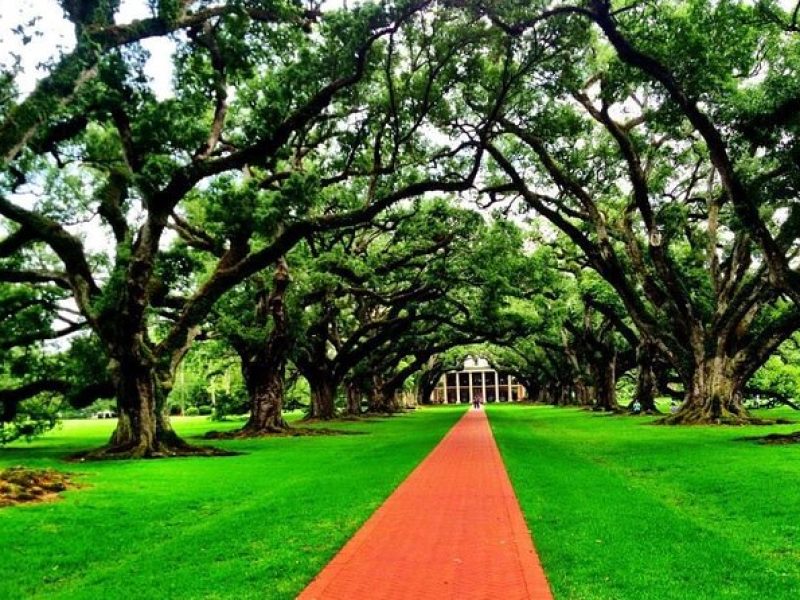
[19,485]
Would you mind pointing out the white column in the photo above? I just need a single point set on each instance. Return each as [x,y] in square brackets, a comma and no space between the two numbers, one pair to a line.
[509,388]
[471,392]
[458,389]
[483,385]
[496,386]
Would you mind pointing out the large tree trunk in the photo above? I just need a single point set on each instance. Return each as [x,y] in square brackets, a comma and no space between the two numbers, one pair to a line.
[583,392]
[590,395]
[354,396]
[323,397]
[136,432]
[540,396]
[605,375]
[713,395]
[567,398]
[561,395]
[426,384]
[264,369]
[385,402]
[424,391]
[549,394]
[143,428]
[265,381]
[645,381]
[381,400]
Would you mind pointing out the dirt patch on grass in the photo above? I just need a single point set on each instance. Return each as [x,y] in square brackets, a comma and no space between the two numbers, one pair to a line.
[19,485]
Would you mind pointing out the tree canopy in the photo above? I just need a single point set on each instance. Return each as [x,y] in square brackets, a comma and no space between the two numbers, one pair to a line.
[592,190]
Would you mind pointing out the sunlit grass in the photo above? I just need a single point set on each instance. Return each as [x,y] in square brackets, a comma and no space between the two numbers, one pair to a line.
[621,509]
[260,525]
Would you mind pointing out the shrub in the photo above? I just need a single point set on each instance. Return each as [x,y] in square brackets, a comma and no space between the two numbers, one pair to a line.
[234,403]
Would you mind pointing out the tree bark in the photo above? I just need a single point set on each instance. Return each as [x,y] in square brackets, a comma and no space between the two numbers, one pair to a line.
[265,381]
[566,396]
[548,395]
[381,400]
[354,396]
[713,395]
[583,392]
[378,402]
[560,395]
[645,381]
[426,385]
[143,428]
[532,389]
[264,369]
[605,375]
[542,397]
[323,397]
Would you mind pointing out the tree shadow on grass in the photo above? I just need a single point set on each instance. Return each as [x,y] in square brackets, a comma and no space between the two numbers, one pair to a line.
[104,454]
[289,432]
[773,439]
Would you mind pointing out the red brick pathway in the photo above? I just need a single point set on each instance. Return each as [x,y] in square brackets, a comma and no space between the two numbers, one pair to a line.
[453,529]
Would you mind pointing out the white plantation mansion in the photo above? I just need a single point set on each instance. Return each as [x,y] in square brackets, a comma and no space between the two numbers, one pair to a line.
[477,378]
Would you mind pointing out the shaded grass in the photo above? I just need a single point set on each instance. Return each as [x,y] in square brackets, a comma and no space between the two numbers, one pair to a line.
[260,525]
[621,509]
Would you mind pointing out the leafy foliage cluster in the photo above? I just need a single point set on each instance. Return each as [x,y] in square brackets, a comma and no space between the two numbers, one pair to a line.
[341,201]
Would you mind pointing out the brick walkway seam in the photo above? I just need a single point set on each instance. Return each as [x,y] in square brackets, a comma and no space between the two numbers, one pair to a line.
[452,529]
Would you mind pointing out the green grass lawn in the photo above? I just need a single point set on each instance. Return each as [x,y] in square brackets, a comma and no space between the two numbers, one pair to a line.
[260,525]
[624,510]
[620,509]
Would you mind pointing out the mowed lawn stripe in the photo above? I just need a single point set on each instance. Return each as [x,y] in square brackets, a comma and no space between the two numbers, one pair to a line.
[254,526]
[623,509]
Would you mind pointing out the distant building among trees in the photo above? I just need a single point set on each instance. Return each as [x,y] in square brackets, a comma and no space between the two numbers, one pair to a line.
[477,378]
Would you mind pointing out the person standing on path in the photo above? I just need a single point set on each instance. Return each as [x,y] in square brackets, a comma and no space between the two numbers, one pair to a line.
[476,400]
